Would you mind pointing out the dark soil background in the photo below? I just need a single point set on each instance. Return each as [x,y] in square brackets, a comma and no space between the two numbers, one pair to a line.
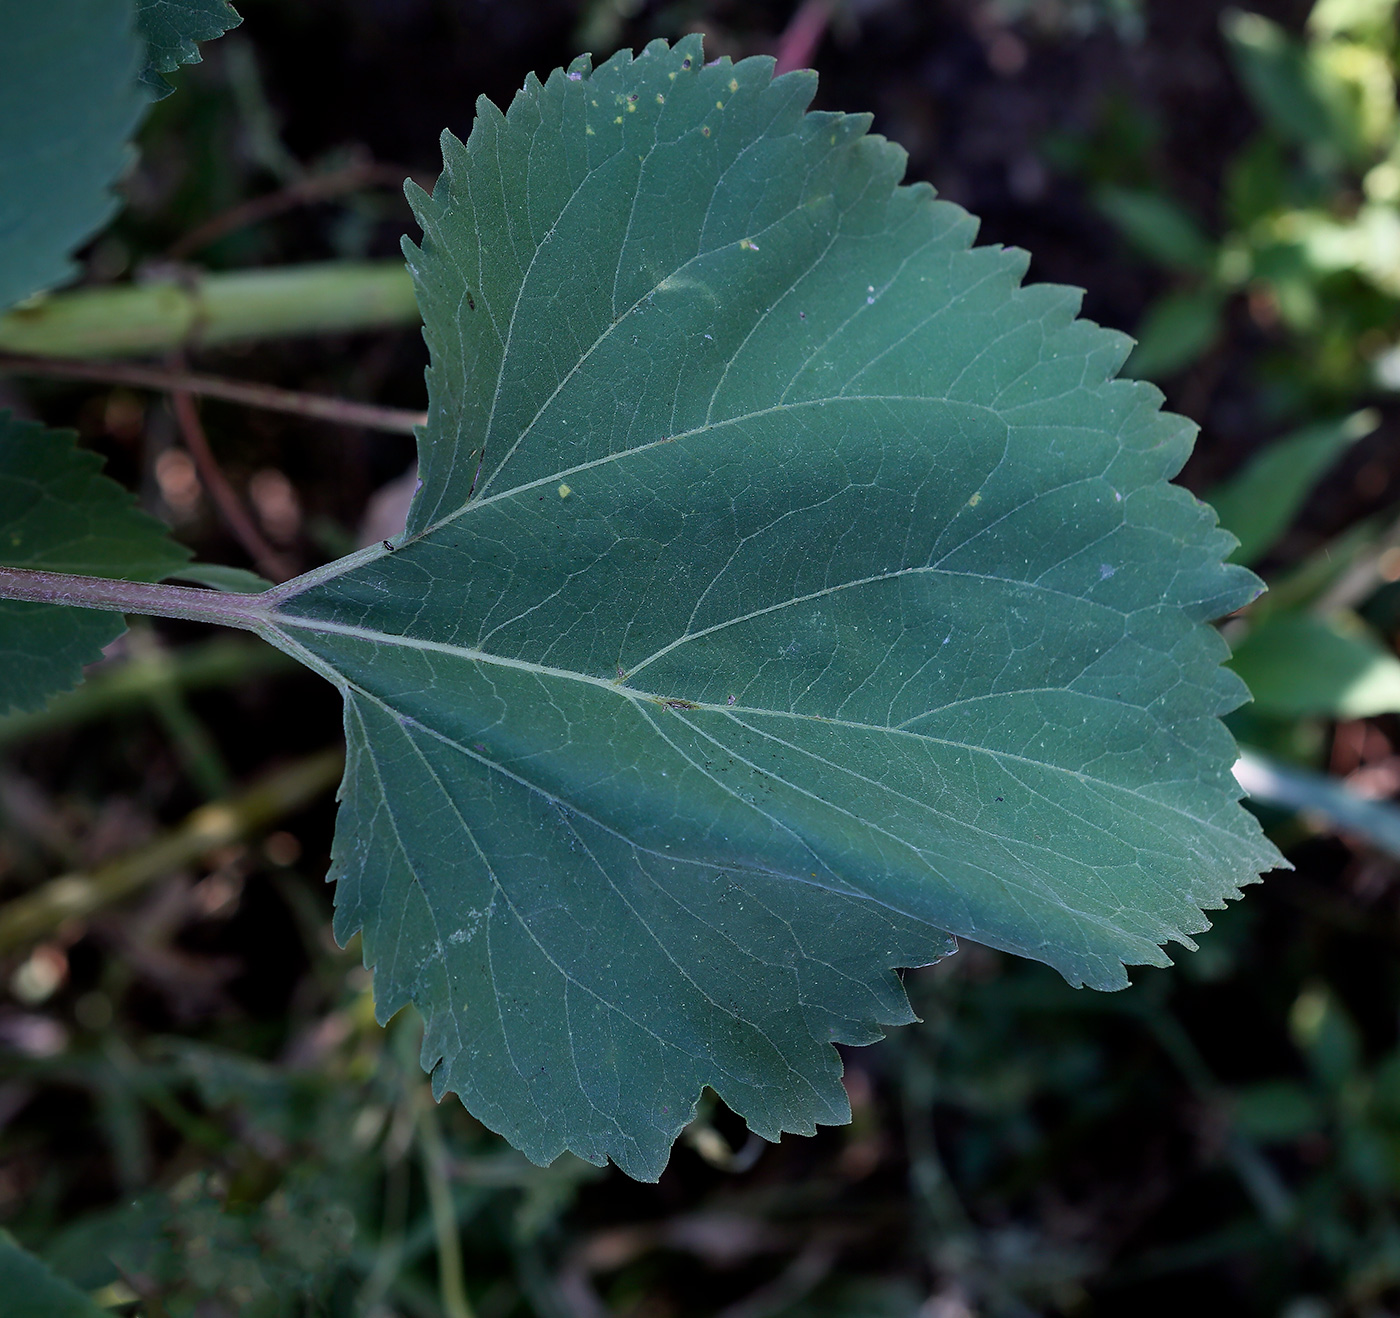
[1026,1150]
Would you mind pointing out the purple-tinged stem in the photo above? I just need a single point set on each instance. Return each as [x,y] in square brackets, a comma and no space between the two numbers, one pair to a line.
[249,612]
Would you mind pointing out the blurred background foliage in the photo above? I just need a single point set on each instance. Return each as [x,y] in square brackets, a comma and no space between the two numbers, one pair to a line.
[198,1114]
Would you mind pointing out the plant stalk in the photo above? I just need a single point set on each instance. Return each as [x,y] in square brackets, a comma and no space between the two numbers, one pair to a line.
[196,309]
[139,679]
[451,1284]
[76,896]
[154,599]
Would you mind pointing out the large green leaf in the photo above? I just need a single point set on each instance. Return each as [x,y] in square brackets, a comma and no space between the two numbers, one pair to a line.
[786,586]
[171,29]
[68,106]
[60,514]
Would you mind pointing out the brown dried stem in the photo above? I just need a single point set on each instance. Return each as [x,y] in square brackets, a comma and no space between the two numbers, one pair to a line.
[236,517]
[304,192]
[341,411]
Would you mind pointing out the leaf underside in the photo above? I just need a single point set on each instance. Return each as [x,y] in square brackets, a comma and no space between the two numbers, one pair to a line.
[787,586]
[69,103]
[171,28]
[59,513]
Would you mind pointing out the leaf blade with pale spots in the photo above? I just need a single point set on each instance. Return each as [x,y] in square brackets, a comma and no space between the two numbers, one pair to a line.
[786,586]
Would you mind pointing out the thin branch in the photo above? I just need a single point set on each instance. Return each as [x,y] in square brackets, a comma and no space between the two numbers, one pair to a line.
[304,192]
[342,411]
[270,563]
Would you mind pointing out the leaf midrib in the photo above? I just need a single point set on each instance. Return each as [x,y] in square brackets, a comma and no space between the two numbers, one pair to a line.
[641,698]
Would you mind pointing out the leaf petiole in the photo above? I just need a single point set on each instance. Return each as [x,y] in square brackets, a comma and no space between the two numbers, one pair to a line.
[249,612]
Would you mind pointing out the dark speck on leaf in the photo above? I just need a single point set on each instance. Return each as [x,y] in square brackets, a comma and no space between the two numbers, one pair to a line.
[471,304]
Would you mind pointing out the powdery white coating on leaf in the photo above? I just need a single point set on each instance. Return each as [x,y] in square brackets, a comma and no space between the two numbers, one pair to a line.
[868,614]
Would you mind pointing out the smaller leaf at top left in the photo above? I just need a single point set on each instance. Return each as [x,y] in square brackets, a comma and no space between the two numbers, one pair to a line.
[58,513]
[69,103]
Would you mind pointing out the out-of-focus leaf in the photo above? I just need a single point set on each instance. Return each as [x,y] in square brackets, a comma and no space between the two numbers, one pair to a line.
[787,584]
[1257,182]
[1257,504]
[1326,1034]
[1273,783]
[1365,20]
[1176,330]
[1284,83]
[1359,83]
[1298,664]
[69,103]
[1276,1111]
[1368,244]
[1159,228]
[1385,370]
[171,29]
[29,1290]
[60,514]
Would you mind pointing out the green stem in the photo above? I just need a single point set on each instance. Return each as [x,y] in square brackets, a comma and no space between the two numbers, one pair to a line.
[281,793]
[194,743]
[451,1285]
[131,319]
[159,601]
[221,661]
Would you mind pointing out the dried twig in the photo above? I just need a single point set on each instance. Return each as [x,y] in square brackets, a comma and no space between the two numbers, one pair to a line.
[304,192]
[270,563]
[342,411]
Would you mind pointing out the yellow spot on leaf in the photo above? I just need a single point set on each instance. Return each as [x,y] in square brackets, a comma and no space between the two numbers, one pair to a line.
[734,84]
[975,500]
[564,491]
[618,120]
[631,107]
[706,130]
[660,99]
[719,105]
[590,132]
[748,244]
